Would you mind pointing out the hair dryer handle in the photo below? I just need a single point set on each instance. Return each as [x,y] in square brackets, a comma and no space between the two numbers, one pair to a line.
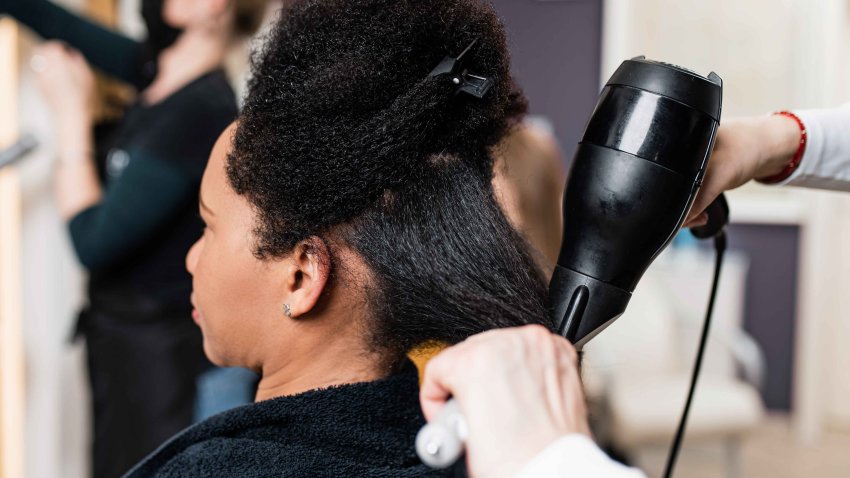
[718,218]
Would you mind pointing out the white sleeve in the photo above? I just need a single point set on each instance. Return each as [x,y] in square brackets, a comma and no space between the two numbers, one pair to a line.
[826,161]
[575,455]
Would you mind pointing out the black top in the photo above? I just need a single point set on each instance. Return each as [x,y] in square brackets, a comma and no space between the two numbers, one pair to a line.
[359,430]
[137,237]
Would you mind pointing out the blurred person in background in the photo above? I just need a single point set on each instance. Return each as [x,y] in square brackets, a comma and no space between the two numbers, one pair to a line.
[131,212]
[529,179]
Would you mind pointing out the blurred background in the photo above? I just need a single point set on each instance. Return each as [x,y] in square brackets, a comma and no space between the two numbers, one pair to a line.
[773,397]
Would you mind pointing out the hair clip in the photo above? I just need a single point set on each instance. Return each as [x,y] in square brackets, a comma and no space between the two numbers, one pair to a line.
[466,82]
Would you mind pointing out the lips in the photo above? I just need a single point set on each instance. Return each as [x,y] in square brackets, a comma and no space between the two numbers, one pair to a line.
[196,314]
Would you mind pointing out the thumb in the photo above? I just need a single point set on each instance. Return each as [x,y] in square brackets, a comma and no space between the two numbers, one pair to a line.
[435,390]
[698,221]
[705,197]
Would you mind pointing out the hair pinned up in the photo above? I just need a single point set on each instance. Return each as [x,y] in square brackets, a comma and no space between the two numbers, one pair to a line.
[464,81]
[344,131]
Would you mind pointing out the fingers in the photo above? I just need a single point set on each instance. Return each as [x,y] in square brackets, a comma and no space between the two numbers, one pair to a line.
[54,54]
[572,391]
[46,58]
[497,354]
[567,349]
[712,187]
[555,380]
[699,220]
[518,389]
[481,354]
[437,383]
[52,49]
[76,58]
[556,361]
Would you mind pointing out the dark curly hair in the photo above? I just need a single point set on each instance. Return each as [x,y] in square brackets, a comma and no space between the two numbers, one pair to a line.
[344,132]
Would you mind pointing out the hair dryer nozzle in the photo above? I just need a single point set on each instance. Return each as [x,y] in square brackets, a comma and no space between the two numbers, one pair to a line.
[583,305]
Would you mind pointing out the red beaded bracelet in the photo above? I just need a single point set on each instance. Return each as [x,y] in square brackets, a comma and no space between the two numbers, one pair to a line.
[796,159]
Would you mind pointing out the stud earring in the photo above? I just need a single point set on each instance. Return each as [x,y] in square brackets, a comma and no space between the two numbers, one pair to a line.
[287,311]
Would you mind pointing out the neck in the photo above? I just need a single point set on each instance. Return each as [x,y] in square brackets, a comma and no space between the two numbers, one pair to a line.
[318,365]
[196,52]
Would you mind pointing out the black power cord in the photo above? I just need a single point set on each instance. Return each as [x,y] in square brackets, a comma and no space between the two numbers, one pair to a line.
[719,248]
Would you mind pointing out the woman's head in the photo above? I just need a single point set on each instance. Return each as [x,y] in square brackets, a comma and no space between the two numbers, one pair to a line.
[367,183]
[239,300]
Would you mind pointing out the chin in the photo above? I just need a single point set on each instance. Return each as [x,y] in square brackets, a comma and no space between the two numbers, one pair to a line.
[173,17]
[175,22]
[214,355]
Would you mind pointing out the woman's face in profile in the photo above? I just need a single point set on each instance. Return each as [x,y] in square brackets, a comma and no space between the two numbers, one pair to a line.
[237,298]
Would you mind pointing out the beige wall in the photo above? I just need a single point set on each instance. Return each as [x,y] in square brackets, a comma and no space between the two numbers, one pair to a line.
[742,40]
[771,54]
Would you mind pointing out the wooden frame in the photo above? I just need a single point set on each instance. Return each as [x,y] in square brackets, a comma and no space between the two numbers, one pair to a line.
[12,384]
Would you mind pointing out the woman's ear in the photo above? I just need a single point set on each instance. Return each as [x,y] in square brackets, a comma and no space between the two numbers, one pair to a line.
[307,277]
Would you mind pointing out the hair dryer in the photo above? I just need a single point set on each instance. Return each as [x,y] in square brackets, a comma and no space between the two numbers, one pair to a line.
[635,174]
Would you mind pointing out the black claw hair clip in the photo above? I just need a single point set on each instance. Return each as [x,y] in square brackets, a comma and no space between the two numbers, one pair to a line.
[466,82]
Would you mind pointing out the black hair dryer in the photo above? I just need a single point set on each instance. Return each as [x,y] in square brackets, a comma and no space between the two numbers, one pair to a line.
[634,177]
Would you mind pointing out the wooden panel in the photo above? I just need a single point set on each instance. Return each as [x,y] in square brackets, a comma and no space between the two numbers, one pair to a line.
[11,338]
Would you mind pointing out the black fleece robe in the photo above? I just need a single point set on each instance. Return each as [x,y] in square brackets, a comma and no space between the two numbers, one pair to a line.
[364,429]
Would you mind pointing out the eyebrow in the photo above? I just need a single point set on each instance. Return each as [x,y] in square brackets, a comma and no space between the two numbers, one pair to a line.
[204,205]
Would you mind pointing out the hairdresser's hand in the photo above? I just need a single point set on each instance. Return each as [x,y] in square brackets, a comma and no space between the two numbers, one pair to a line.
[65,80]
[519,391]
[746,149]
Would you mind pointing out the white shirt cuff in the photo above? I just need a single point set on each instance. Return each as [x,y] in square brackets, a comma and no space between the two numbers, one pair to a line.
[826,161]
[575,455]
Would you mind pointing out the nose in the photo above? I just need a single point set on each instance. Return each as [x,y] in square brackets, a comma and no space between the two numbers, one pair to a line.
[192,256]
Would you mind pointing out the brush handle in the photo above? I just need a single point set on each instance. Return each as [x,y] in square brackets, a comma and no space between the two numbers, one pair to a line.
[441,442]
